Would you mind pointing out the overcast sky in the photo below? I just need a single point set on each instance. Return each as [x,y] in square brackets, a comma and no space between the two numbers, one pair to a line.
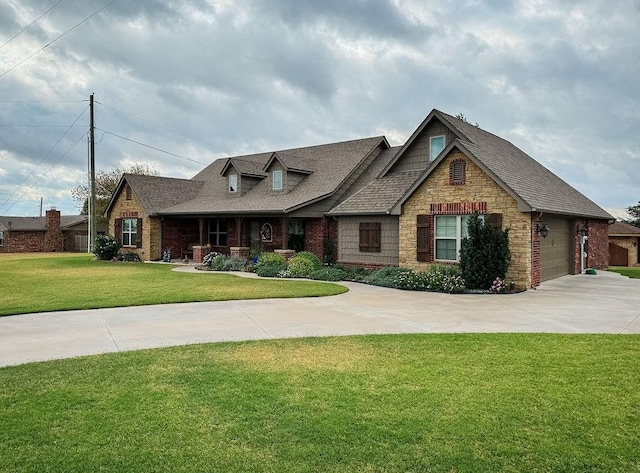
[205,79]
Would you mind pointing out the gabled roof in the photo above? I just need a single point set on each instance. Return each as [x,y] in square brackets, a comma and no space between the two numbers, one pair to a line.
[244,167]
[37,224]
[623,229]
[291,162]
[332,164]
[155,193]
[530,183]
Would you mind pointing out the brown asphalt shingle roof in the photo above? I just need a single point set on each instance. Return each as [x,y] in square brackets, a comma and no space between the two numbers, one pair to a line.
[623,229]
[534,184]
[540,188]
[332,164]
[156,193]
[37,223]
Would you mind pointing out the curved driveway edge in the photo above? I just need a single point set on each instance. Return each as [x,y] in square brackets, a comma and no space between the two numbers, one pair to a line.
[605,303]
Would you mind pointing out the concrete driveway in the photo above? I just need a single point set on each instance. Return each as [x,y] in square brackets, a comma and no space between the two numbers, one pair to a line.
[605,303]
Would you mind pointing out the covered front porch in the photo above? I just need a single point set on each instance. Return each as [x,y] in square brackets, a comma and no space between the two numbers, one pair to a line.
[193,236]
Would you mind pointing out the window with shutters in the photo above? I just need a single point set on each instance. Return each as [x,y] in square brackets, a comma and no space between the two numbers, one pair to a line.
[457,172]
[129,232]
[370,237]
[449,232]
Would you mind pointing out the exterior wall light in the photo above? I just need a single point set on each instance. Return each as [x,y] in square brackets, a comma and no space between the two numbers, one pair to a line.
[543,230]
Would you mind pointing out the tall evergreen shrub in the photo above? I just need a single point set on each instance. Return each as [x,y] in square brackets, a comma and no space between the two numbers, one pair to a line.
[484,254]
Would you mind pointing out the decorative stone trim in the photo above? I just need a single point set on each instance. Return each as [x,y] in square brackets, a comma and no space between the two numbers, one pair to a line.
[240,252]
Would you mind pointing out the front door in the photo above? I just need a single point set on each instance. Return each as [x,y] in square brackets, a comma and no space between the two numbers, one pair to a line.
[254,234]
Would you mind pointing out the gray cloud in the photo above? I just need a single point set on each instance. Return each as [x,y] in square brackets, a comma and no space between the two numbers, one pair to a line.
[558,79]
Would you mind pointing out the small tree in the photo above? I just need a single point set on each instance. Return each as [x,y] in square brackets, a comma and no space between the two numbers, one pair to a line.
[634,211]
[484,254]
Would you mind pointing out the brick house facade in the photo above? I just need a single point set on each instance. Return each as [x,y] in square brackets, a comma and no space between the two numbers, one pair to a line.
[363,202]
[52,233]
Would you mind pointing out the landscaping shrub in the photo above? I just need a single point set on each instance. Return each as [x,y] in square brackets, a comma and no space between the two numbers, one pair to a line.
[302,264]
[484,254]
[106,247]
[129,257]
[353,273]
[270,264]
[385,277]
[328,273]
[221,262]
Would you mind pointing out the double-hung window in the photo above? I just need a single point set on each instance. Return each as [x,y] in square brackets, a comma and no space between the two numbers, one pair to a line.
[449,232]
[129,231]
[436,145]
[276,178]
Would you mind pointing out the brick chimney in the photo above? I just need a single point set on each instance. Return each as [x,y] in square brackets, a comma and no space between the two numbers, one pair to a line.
[53,238]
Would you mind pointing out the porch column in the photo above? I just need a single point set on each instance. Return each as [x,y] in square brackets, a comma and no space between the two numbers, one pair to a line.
[201,228]
[239,240]
[285,232]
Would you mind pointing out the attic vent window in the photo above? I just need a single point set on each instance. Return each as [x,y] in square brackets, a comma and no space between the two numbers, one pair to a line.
[233,183]
[436,145]
[457,172]
[277,180]
[127,192]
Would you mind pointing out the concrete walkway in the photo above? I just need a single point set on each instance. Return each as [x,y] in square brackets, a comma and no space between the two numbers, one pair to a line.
[605,303]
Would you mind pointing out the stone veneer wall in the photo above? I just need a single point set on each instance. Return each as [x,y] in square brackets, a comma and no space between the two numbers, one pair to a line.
[478,187]
[123,208]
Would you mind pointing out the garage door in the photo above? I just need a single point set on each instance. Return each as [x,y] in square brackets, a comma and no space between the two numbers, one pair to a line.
[556,251]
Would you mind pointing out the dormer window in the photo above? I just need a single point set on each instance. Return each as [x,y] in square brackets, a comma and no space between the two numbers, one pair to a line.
[436,145]
[276,178]
[233,183]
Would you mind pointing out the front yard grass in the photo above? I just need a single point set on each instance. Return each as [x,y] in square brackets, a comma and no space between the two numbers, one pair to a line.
[630,272]
[30,283]
[400,403]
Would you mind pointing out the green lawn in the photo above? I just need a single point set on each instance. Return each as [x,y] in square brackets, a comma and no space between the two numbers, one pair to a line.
[632,272]
[37,283]
[403,403]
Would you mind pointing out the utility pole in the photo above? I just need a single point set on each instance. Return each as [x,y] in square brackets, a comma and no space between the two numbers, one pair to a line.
[92,171]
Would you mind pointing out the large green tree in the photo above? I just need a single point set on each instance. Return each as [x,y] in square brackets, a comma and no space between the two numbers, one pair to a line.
[106,183]
[634,211]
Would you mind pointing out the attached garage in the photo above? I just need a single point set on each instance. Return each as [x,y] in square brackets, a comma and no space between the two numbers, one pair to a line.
[556,251]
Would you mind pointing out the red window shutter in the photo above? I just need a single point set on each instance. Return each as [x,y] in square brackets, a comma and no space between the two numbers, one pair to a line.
[118,230]
[422,245]
[139,234]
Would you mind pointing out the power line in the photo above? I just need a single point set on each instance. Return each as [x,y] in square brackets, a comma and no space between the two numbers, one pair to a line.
[156,125]
[151,147]
[19,32]
[56,39]
[47,171]
[44,157]
[40,126]
[42,101]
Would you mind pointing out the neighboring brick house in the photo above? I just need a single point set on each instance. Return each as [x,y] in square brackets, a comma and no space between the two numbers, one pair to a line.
[367,203]
[51,233]
[624,243]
